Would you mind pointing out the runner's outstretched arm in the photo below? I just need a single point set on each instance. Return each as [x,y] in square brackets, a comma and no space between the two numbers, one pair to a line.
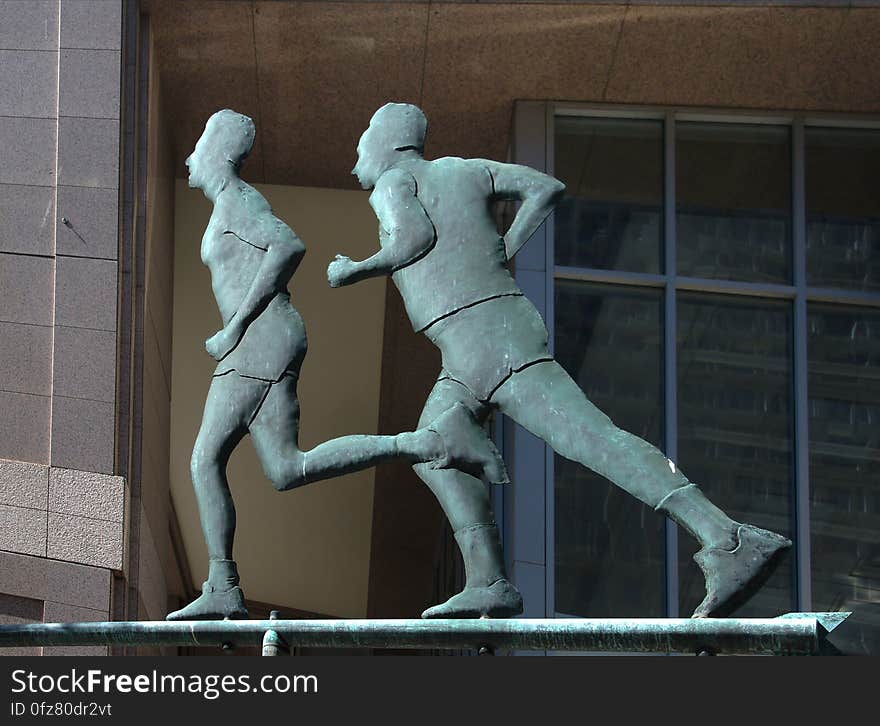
[407,233]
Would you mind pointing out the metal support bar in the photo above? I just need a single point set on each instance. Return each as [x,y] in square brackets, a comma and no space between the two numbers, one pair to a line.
[273,643]
[794,634]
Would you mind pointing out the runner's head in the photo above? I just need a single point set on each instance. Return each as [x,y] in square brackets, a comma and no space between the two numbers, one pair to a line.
[226,141]
[395,129]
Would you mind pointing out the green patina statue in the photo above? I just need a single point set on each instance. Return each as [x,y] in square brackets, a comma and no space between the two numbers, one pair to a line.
[252,256]
[440,245]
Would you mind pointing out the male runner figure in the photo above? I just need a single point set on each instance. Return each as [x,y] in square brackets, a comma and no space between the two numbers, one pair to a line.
[440,245]
[252,256]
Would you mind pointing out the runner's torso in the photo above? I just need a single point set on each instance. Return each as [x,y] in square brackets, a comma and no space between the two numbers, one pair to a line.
[468,263]
[233,251]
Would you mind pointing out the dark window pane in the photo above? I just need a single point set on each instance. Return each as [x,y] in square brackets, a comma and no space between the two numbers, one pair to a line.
[612,215]
[844,392]
[733,201]
[843,208]
[609,546]
[735,427]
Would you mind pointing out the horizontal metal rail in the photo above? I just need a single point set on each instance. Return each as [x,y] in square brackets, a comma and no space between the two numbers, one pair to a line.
[793,634]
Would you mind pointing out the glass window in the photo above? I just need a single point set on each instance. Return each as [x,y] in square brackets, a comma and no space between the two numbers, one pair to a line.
[736,365]
[610,547]
[735,426]
[843,208]
[844,390]
[612,215]
[733,201]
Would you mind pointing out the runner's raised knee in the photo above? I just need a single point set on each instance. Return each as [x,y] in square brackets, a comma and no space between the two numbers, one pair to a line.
[287,473]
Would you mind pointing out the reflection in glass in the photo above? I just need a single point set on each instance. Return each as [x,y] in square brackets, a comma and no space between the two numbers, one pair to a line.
[612,215]
[735,427]
[733,201]
[844,391]
[842,170]
[609,546]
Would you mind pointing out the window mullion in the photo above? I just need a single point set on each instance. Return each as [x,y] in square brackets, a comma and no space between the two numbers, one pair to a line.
[801,510]
[670,428]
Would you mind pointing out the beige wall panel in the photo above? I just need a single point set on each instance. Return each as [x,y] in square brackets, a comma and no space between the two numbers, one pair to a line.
[307,548]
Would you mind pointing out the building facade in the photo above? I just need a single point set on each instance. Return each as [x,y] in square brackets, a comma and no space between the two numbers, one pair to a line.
[711,280]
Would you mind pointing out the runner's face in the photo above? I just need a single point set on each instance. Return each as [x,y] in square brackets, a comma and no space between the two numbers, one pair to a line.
[197,161]
[371,163]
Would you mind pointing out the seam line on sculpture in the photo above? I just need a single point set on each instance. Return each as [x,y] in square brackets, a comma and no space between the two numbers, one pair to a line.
[474,527]
[260,406]
[229,231]
[668,495]
[515,370]
[469,305]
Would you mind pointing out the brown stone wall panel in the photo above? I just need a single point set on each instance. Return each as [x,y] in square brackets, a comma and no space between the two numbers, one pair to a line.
[856,68]
[27,219]
[28,151]
[24,427]
[83,434]
[89,83]
[483,57]
[28,83]
[89,24]
[223,33]
[740,57]
[88,152]
[23,530]
[55,612]
[26,289]
[87,494]
[23,484]
[93,215]
[85,293]
[85,364]
[357,57]
[63,582]
[31,25]
[26,358]
[88,541]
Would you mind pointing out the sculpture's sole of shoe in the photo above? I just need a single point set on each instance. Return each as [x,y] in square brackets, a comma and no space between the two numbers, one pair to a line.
[214,605]
[733,577]
[499,600]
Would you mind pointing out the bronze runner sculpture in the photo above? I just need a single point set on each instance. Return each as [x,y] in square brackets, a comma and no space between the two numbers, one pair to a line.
[440,245]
